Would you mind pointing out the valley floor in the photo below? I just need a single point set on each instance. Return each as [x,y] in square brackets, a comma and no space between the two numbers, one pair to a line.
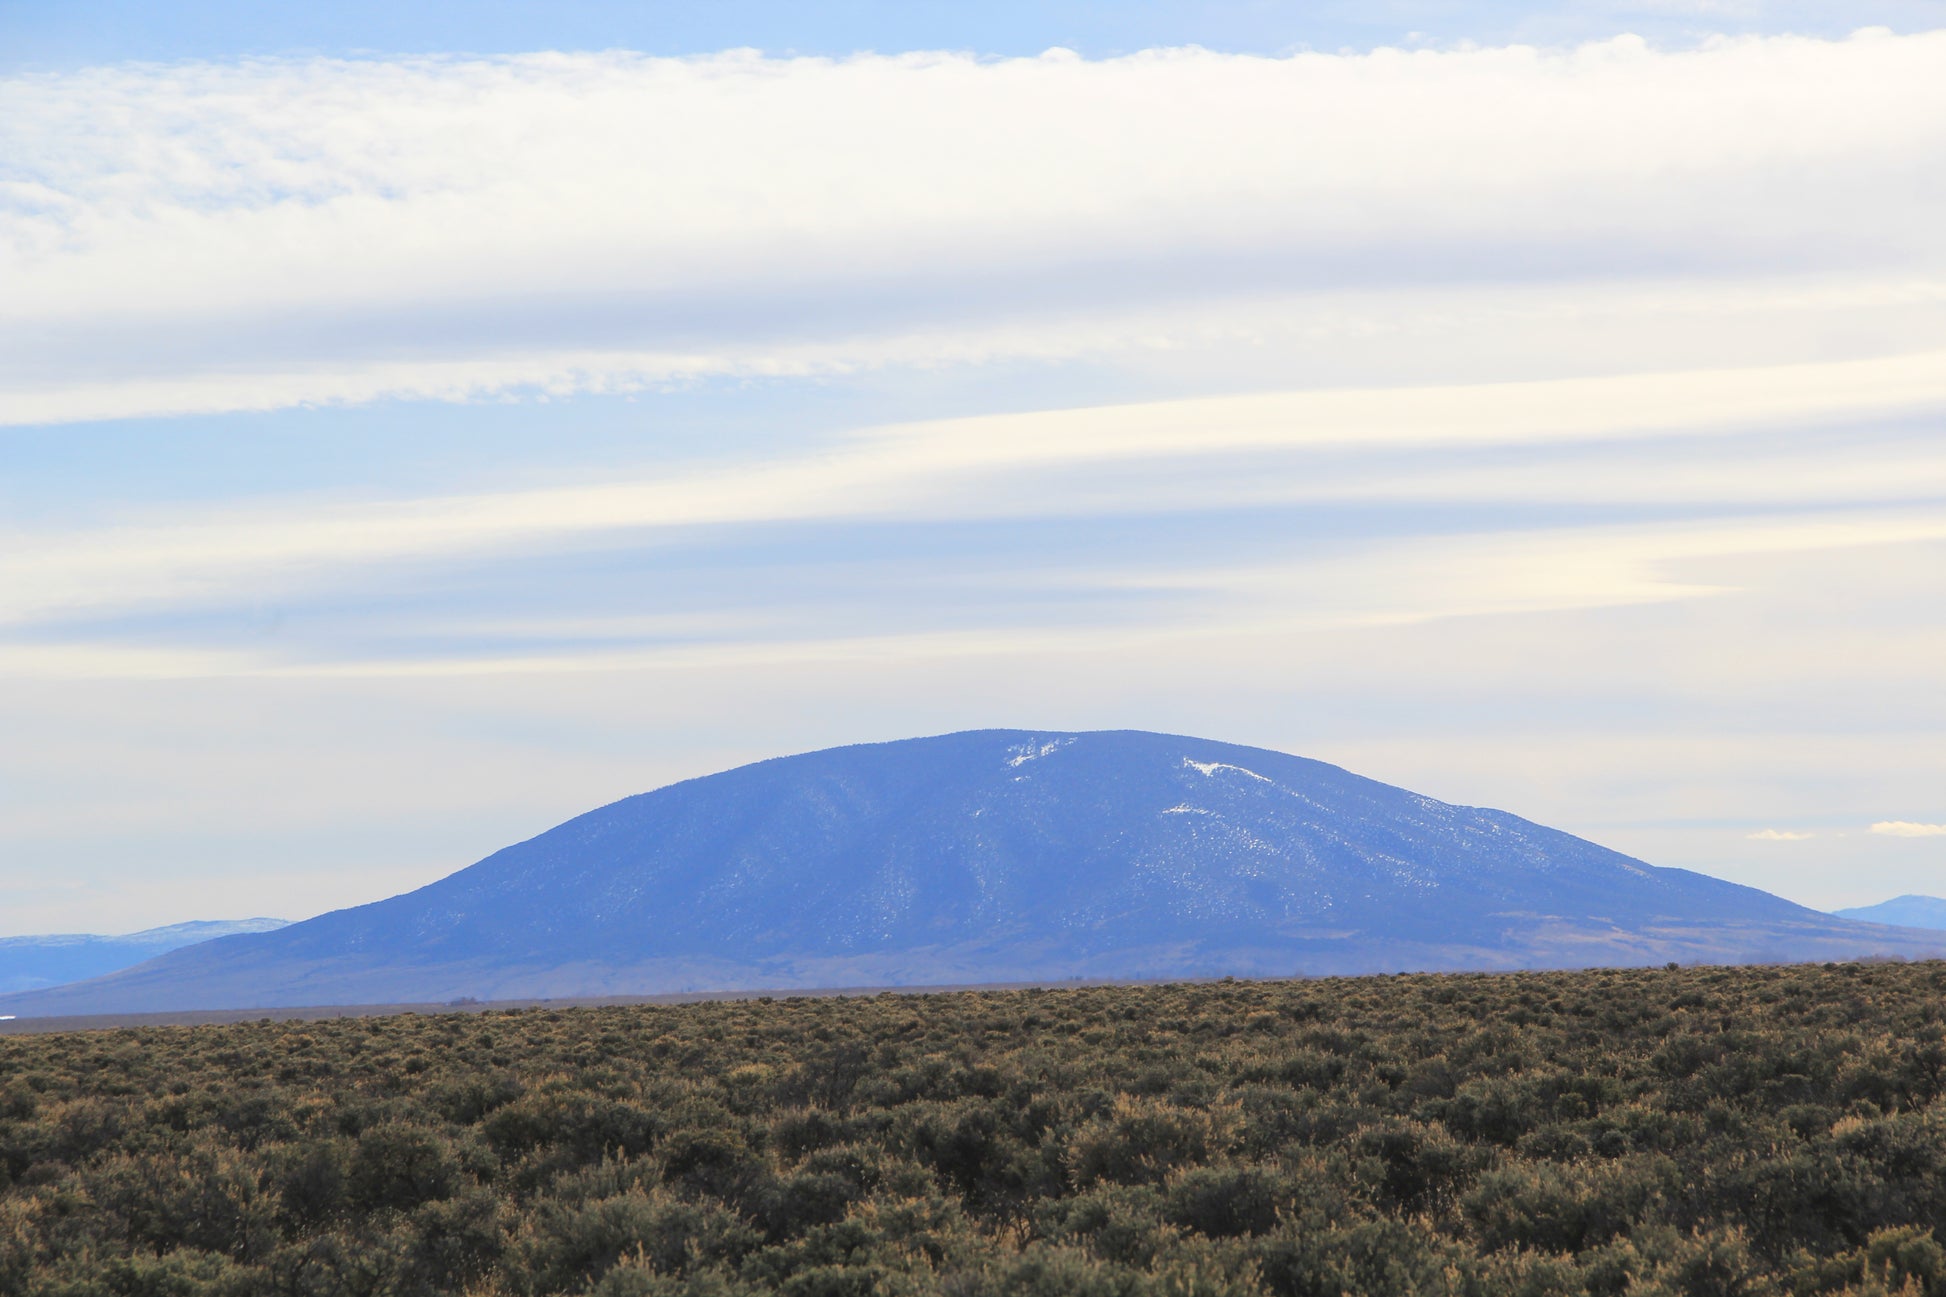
[1694,1131]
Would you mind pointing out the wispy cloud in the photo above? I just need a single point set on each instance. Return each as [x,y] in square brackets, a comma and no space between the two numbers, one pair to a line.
[1065,462]
[1779,835]
[1062,606]
[1908,829]
[218,237]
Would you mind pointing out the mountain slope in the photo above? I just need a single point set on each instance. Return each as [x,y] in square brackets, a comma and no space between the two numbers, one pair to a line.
[27,963]
[1907,911]
[988,856]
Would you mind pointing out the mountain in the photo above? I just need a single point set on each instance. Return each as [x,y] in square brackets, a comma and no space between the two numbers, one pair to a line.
[30,962]
[995,855]
[1906,911]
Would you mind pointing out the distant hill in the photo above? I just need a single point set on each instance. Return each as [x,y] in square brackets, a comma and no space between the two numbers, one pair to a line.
[996,855]
[28,963]
[1906,911]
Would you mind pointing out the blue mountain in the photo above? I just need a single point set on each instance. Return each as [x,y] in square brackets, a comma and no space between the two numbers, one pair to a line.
[996,855]
[1906,911]
[27,963]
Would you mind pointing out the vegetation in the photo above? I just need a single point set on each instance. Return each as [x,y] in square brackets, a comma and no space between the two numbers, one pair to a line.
[1699,1131]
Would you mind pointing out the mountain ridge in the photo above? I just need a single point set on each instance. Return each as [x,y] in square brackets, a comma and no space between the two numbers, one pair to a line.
[41,960]
[998,855]
[1910,911]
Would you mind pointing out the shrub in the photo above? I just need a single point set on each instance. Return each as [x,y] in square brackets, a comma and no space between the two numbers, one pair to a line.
[396,1167]
[1761,1132]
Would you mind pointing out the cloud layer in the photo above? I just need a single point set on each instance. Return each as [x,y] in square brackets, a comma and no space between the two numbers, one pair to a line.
[1358,447]
[211,237]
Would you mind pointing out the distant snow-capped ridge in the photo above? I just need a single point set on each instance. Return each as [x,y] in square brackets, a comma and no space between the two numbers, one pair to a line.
[54,959]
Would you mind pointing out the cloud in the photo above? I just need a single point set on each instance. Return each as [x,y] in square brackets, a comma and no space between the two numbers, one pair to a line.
[207,237]
[1908,829]
[1778,835]
[778,614]
[1155,457]
[82,660]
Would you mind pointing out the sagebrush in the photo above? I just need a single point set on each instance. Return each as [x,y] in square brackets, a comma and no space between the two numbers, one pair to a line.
[1693,1131]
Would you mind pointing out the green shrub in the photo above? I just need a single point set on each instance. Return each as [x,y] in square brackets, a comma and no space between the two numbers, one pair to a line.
[395,1167]
[1618,1133]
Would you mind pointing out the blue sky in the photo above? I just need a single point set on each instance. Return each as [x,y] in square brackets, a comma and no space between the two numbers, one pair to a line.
[80,33]
[419,424]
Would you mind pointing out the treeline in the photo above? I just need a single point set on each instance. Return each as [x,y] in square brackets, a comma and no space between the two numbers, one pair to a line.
[1700,1132]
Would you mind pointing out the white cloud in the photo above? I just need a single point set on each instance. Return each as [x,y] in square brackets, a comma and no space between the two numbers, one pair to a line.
[1908,829]
[1779,835]
[1423,334]
[83,660]
[1386,583]
[1013,465]
[210,237]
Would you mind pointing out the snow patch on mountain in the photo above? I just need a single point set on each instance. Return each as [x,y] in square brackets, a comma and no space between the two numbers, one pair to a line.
[1209,768]
[1020,754]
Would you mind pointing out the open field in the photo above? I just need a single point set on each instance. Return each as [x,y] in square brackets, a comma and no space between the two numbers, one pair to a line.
[317,1012]
[1695,1131]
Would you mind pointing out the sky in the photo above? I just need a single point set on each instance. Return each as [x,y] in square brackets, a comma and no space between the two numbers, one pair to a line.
[422,423]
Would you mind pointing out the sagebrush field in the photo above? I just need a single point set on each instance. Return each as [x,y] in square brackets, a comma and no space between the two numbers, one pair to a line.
[1696,1131]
